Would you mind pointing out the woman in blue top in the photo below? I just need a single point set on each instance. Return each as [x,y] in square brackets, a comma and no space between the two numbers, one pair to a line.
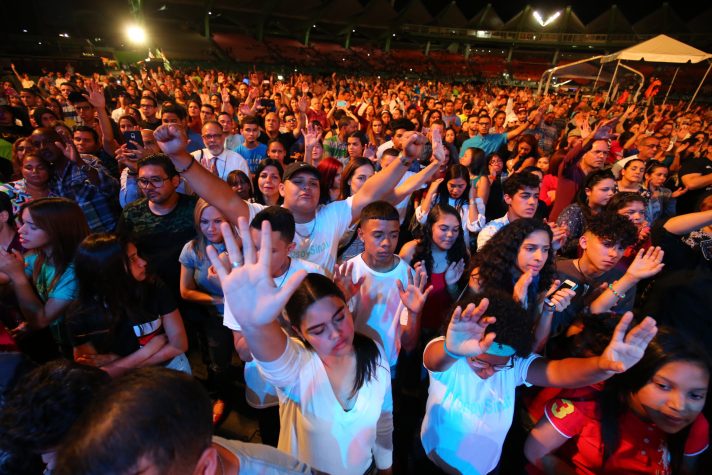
[43,280]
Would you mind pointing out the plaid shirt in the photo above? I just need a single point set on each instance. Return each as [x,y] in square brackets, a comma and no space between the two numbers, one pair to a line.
[333,147]
[100,203]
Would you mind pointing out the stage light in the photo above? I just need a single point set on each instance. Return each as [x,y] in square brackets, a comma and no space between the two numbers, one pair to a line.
[542,22]
[136,34]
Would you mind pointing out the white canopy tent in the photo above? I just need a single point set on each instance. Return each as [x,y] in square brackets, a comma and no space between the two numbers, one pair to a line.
[661,49]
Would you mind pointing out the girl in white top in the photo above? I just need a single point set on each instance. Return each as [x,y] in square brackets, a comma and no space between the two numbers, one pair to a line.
[473,378]
[455,190]
[334,385]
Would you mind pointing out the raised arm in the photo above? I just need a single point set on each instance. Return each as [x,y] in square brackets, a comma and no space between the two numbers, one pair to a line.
[250,291]
[686,223]
[625,349]
[172,140]
[96,98]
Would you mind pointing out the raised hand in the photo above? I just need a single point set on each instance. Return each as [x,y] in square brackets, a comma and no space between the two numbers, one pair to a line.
[303,103]
[560,233]
[521,288]
[311,136]
[466,331]
[415,294]
[454,272]
[343,277]
[95,95]
[11,263]
[679,192]
[249,289]
[627,348]
[646,263]
[171,139]
[69,150]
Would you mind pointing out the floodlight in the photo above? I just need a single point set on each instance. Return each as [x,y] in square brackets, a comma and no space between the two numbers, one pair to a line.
[136,34]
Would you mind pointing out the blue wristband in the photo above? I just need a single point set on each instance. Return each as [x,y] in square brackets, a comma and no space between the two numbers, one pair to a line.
[456,357]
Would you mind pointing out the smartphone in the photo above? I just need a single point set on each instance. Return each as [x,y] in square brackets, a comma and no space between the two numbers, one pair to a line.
[567,284]
[134,135]
[342,104]
[268,104]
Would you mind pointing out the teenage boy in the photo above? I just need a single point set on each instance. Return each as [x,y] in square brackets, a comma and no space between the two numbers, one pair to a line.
[381,277]
[318,228]
[251,150]
[601,286]
[260,394]
[521,194]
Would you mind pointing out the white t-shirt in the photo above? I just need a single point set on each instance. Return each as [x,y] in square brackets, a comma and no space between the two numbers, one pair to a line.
[467,417]
[258,392]
[316,429]
[377,307]
[317,241]
[402,207]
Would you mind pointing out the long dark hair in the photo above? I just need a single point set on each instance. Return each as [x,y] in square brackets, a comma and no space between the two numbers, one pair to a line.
[497,260]
[591,180]
[65,224]
[454,172]
[349,172]
[423,249]
[102,272]
[316,287]
[668,346]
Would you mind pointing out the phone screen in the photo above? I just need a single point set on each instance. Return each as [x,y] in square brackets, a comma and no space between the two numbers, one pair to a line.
[135,136]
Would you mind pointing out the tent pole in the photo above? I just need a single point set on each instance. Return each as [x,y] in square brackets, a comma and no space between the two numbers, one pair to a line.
[671,83]
[593,88]
[613,79]
[699,87]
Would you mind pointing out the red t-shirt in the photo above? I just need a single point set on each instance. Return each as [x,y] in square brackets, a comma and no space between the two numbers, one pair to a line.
[642,449]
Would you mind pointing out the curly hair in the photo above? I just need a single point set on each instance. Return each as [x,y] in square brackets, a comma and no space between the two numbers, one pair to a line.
[423,249]
[612,228]
[514,326]
[497,260]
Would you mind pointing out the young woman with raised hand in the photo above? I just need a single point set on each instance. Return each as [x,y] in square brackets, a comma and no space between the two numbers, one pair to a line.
[646,421]
[43,280]
[519,260]
[476,367]
[333,384]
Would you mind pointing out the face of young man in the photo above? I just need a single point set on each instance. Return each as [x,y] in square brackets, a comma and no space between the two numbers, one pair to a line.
[84,141]
[300,192]
[524,203]
[602,256]
[380,238]
[250,132]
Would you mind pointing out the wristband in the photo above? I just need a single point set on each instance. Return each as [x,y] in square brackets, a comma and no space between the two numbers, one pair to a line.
[187,166]
[451,355]
[619,296]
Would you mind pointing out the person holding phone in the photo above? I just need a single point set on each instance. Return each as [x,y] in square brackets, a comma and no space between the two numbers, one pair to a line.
[519,260]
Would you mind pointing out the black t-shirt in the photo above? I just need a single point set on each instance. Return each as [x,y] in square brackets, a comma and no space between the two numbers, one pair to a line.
[687,202]
[93,323]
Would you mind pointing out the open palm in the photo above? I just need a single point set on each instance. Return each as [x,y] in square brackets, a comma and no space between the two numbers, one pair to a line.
[466,331]
[249,289]
[627,348]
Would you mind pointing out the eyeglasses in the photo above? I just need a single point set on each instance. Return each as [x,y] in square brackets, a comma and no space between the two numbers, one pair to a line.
[145,106]
[83,108]
[478,363]
[154,181]
[653,145]
[212,136]
[291,119]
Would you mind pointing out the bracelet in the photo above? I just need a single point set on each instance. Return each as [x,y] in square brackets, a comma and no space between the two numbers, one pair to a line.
[187,166]
[456,357]
[619,296]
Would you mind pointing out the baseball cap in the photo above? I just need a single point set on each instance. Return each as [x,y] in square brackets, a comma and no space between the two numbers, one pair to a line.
[574,133]
[521,109]
[300,167]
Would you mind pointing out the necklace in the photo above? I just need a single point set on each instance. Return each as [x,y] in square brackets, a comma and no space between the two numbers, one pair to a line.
[577,265]
[306,238]
[284,277]
[222,467]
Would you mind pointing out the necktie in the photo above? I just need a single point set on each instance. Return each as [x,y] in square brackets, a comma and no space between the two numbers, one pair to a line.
[211,165]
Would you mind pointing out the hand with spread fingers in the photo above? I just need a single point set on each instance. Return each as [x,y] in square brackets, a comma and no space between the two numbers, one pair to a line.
[627,347]
[415,294]
[249,288]
[466,331]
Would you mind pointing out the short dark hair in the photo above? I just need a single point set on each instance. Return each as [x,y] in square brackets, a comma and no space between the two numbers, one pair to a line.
[152,412]
[175,109]
[280,218]
[86,128]
[380,210]
[160,160]
[612,228]
[210,106]
[46,402]
[150,98]
[622,199]
[402,124]
[393,152]
[518,182]
[249,119]
[77,97]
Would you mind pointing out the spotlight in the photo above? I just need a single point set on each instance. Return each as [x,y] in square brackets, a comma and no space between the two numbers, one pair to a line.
[136,34]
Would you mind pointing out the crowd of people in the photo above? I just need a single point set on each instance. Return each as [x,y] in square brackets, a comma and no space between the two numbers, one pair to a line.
[414,276]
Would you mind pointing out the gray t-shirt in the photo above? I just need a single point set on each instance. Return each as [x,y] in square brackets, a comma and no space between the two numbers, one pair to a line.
[258,459]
